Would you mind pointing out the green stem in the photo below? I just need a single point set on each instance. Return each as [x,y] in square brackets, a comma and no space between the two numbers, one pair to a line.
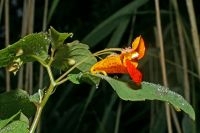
[60,80]
[36,119]
[50,75]
[69,70]
[107,50]
[40,108]
[40,60]
[49,91]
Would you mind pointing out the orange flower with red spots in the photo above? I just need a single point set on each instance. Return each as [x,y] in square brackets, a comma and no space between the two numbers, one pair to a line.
[125,62]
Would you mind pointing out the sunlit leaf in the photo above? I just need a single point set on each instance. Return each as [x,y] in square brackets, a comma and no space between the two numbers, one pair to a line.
[149,91]
[22,51]
[18,123]
[16,127]
[4,122]
[14,101]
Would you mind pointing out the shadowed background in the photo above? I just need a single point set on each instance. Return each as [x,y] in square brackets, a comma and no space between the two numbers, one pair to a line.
[172,59]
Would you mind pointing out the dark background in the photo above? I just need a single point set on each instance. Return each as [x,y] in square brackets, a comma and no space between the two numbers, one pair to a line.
[69,109]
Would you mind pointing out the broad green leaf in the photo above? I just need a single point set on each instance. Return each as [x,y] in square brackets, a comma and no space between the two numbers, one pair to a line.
[14,101]
[4,122]
[149,91]
[16,127]
[58,38]
[107,26]
[16,123]
[71,54]
[90,79]
[83,77]
[22,51]
[23,118]
[74,78]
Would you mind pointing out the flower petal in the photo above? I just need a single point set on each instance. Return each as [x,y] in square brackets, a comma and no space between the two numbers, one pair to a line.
[111,64]
[136,42]
[138,46]
[135,74]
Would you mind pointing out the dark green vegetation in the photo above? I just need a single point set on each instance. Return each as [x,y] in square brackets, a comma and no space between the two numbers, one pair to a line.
[102,24]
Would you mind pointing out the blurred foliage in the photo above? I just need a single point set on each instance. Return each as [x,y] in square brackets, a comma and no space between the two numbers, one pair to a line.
[83,108]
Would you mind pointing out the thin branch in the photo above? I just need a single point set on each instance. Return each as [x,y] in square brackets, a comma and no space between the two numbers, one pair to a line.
[117,122]
[178,128]
[183,51]
[162,61]
[23,33]
[45,15]
[194,31]
[31,5]
[41,74]
[7,40]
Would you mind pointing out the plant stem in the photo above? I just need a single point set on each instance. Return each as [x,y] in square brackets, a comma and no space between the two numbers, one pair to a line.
[54,83]
[40,108]
[107,50]
[60,80]
[162,62]
[51,75]
[7,40]
[117,122]
[49,91]
[194,31]
[68,71]
[36,119]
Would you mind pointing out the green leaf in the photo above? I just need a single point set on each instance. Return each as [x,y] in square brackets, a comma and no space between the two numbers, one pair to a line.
[74,78]
[72,53]
[37,97]
[22,51]
[14,101]
[23,118]
[18,123]
[16,127]
[58,38]
[107,26]
[83,77]
[4,122]
[90,79]
[149,91]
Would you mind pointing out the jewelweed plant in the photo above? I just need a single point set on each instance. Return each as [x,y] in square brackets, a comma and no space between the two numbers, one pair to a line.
[76,64]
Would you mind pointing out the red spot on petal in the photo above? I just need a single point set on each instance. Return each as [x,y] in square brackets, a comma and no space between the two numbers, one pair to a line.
[135,74]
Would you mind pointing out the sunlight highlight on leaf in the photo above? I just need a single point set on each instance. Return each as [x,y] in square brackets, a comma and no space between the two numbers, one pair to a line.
[149,91]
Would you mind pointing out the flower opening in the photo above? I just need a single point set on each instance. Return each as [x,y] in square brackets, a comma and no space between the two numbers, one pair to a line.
[125,62]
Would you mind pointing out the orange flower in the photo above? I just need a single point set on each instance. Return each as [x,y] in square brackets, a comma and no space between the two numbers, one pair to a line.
[126,62]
